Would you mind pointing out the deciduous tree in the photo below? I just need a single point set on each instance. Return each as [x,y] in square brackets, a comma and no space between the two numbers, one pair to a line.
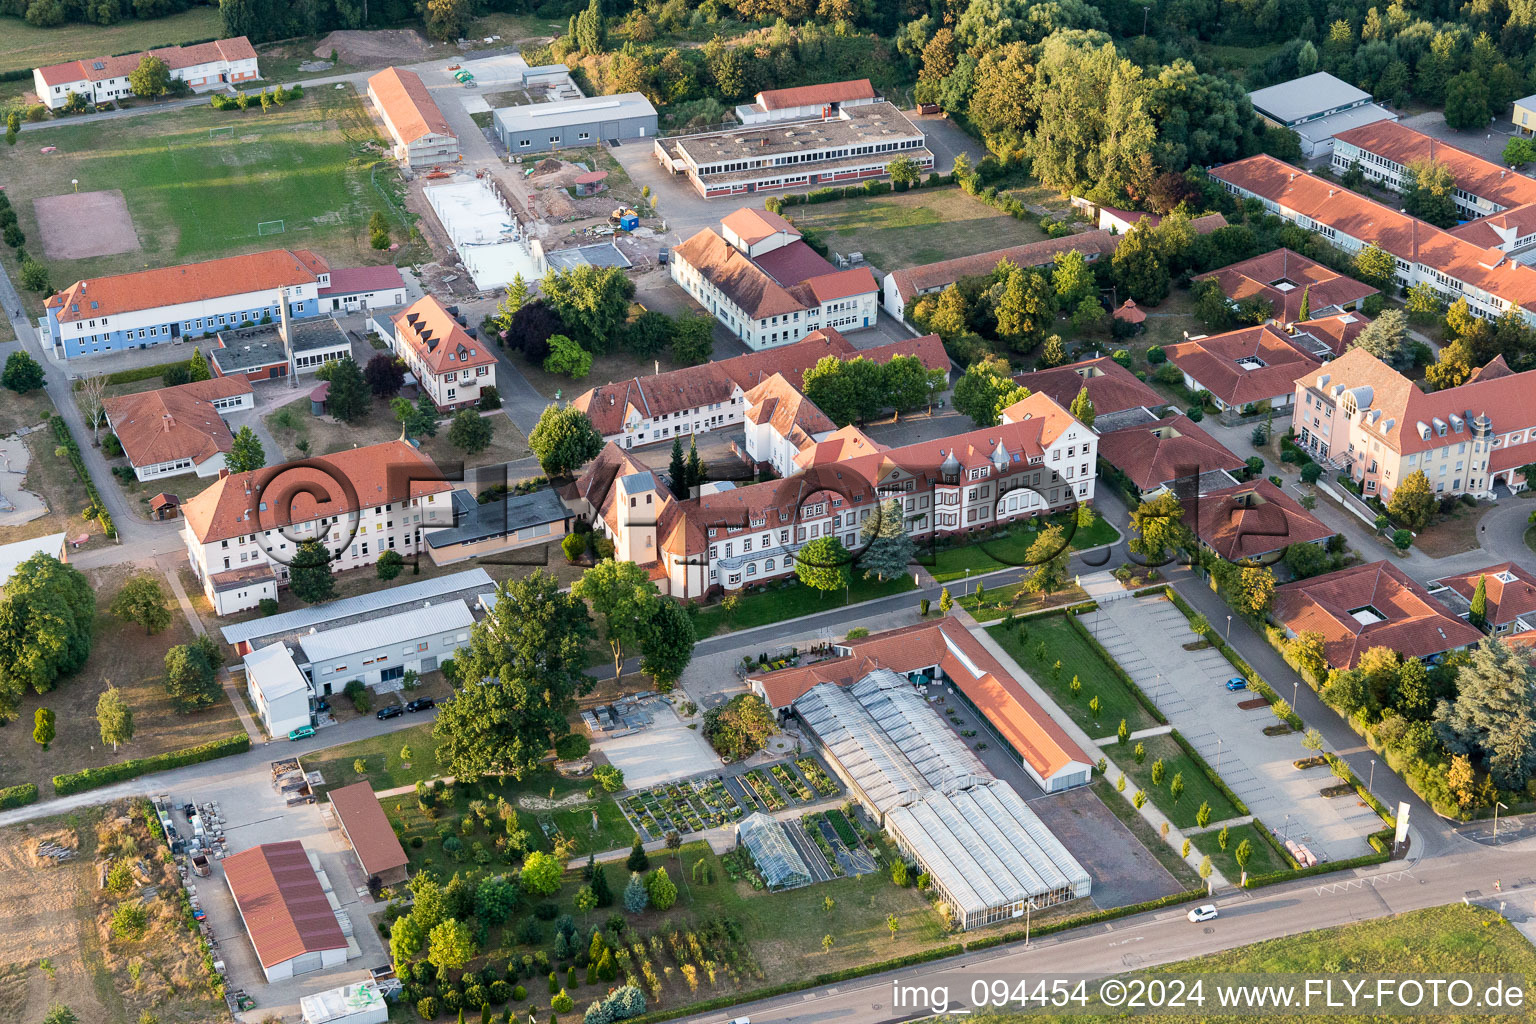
[568,357]
[564,440]
[666,642]
[1493,715]
[986,389]
[114,717]
[624,596]
[22,373]
[1158,525]
[245,452]
[349,398]
[740,727]
[1049,554]
[385,374]
[47,627]
[1429,192]
[151,78]
[592,301]
[191,672]
[1413,502]
[450,944]
[470,432]
[823,564]
[142,600]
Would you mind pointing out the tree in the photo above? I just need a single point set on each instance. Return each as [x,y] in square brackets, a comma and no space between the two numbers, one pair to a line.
[1203,815]
[12,126]
[197,367]
[624,596]
[378,227]
[1024,307]
[666,642]
[677,470]
[600,886]
[58,1013]
[693,339]
[450,946]
[1519,151]
[1478,612]
[662,889]
[1176,787]
[636,898]
[1413,502]
[637,861]
[385,375]
[890,548]
[1082,407]
[1308,651]
[585,899]
[1466,102]
[1374,265]
[1256,588]
[822,564]
[986,389]
[1206,871]
[568,357]
[22,373]
[34,276]
[1412,696]
[349,398]
[309,574]
[151,79]
[892,925]
[143,601]
[1386,337]
[531,650]
[698,472]
[389,565]
[740,727]
[1429,193]
[446,20]
[946,601]
[1305,312]
[904,171]
[114,716]
[1049,554]
[564,440]
[1158,526]
[531,328]
[848,391]
[1451,367]
[1493,715]
[470,432]
[517,296]
[1243,854]
[1423,302]
[43,730]
[191,672]
[1138,266]
[245,452]
[590,29]
[406,939]
[1461,780]
[47,626]
[417,419]
[592,301]
[541,874]
[495,898]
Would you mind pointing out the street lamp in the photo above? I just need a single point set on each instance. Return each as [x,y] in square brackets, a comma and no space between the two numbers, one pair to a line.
[1229,629]
[1295,691]
[1496,806]
[1159,692]
[1370,787]
[1144,12]
[1028,906]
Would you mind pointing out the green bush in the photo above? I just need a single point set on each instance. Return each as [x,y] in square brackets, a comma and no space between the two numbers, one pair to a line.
[267,605]
[426,1007]
[91,778]
[357,693]
[571,746]
[18,796]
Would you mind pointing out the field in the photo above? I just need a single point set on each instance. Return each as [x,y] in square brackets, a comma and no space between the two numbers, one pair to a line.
[996,602]
[1438,942]
[28,47]
[1063,643]
[54,944]
[123,655]
[1263,861]
[1012,549]
[895,231]
[789,601]
[192,197]
[293,423]
[1197,788]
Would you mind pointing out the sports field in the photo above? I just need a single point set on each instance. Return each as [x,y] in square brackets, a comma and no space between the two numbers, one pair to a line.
[195,196]
[27,46]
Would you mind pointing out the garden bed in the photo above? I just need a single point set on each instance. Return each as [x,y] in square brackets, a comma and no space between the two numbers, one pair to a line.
[1316,761]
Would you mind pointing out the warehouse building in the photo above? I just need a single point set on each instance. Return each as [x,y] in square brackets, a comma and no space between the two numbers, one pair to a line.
[287,909]
[368,832]
[986,853]
[565,124]
[1317,107]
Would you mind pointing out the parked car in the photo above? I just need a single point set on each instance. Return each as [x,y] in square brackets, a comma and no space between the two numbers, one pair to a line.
[663,255]
[392,711]
[1204,912]
[1237,683]
[421,704]
[303,732]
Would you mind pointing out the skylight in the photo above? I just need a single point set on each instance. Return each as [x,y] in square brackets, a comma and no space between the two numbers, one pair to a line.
[1367,615]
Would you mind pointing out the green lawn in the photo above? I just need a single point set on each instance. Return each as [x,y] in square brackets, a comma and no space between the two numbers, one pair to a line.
[28,47]
[1197,788]
[1077,658]
[778,603]
[192,197]
[995,602]
[899,230]
[1264,860]
[382,754]
[1012,549]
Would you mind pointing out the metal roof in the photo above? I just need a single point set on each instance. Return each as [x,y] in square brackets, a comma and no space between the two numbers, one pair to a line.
[273,671]
[362,604]
[565,113]
[1333,124]
[474,521]
[1309,94]
[280,898]
[367,828]
[391,629]
[603,254]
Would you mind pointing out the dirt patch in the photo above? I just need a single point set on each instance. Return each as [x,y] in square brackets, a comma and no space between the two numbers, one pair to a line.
[77,225]
[367,49]
[541,803]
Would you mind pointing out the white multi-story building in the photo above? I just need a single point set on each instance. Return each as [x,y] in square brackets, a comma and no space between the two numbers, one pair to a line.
[216,65]
[452,366]
[1385,150]
[242,533]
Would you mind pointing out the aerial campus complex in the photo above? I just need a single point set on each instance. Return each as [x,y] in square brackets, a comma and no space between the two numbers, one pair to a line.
[684,521]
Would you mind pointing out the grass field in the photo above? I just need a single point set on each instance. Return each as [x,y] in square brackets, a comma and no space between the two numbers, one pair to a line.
[28,47]
[1263,861]
[192,197]
[996,602]
[1012,550]
[1438,942]
[895,231]
[1077,658]
[779,603]
[1197,788]
[293,423]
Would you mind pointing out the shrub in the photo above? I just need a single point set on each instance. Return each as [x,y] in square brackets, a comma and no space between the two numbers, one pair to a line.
[267,605]
[130,920]
[357,693]
[519,994]
[1156,355]
[475,996]
[572,746]
[91,778]
[111,447]
[453,1000]
[500,992]
[18,796]
[426,1007]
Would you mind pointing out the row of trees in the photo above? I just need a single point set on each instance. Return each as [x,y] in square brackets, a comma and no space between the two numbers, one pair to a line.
[857,390]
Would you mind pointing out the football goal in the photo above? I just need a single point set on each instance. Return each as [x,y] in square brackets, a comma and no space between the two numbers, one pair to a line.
[269,227]
[223,132]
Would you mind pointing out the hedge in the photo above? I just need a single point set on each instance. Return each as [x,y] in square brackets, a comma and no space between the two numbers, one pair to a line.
[1268,835]
[1096,917]
[1120,673]
[18,796]
[67,442]
[90,778]
[1205,766]
[832,193]
[1276,877]
[143,373]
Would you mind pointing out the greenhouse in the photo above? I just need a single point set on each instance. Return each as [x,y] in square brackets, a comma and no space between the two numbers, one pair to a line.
[772,851]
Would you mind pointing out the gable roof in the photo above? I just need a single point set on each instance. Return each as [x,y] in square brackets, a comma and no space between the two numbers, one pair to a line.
[1403,145]
[1508,599]
[407,105]
[1111,387]
[1165,450]
[100,69]
[1333,333]
[1250,364]
[174,423]
[752,225]
[839,446]
[1375,604]
[284,907]
[791,415]
[281,495]
[431,332]
[1283,278]
[1251,519]
[753,287]
[368,830]
[190,282]
[808,95]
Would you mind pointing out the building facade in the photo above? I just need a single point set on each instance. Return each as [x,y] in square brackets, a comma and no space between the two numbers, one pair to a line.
[420,133]
[195,300]
[1317,108]
[361,289]
[566,124]
[1385,150]
[807,101]
[220,64]
[453,367]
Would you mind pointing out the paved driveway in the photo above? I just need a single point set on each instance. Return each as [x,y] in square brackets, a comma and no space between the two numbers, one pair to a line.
[1146,636]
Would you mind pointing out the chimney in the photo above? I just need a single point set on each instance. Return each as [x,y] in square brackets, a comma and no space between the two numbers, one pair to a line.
[285,331]
[223,473]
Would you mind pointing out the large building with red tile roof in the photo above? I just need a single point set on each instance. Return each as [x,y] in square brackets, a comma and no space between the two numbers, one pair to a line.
[1288,281]
[1111,387]
[1156,454]
[1361,415]
[285,910]
[170,431]
[1510,589]
[242,532]
[761,280]
[806,101]
[1447,262]
[1255,519]
[1375,604]
[1242,368]
[1386,149]
[452,366]
[421,134]
[219,64]
[194,300]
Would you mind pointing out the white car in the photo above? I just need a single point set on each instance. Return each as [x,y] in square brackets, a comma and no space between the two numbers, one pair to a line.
[1206,912]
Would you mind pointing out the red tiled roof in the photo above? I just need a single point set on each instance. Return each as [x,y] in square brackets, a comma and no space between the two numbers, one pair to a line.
[368,830]
[191,282]
[795,263]
[1111,386]
[1130,312]
[436,338]
[1251,364]
[778,403]
[281,495]
[1337,331]
[807,95]
[1500,228]
[1283,277]
[174,423]
[355,280]
[1406,618]
[281,900]
[1402,145]
[1251,519]
[1169,449]
[755,289]
[407,105]
[841,446]
[1507,601]
[175,58]
[752,225]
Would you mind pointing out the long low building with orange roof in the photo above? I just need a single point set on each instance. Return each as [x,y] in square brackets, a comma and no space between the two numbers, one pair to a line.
[217,64]
[421,134]
[170,431]
[1291,284]
[1385,150]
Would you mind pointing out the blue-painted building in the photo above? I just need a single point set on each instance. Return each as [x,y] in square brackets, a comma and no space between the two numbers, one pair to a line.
[172,304]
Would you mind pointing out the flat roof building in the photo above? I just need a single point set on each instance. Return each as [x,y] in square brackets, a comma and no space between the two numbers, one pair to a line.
[285,910]
[262,353]
[1317,107]
[369,833]
[565,124]
[516,521]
